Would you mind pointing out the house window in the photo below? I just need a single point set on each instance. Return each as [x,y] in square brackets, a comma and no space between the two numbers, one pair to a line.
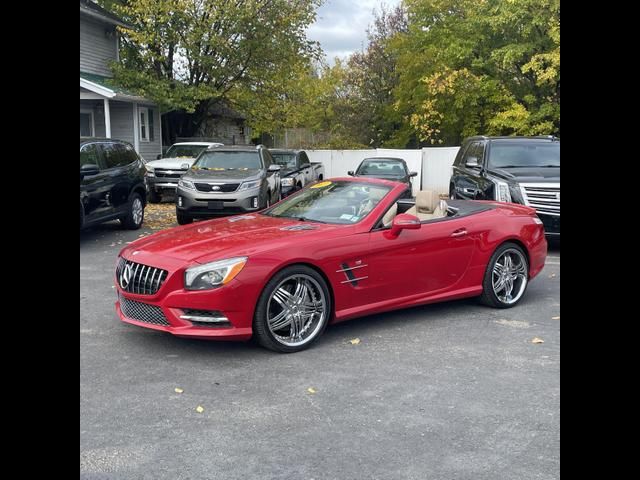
[87,126]
[146,125]
[144,128]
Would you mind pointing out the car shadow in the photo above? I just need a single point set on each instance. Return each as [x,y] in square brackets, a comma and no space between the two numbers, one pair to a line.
[96,232]
[164,344]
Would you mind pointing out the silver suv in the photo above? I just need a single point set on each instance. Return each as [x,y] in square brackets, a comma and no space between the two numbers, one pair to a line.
[228,180]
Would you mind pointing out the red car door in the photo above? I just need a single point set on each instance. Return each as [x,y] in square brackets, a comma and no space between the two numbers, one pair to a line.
[428,260]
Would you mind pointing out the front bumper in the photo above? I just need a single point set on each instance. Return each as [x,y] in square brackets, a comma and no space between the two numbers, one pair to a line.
[235,301]
[195,203]
[161,183]
[551,224]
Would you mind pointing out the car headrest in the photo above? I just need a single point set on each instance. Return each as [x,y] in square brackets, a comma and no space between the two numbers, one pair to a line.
[427,201]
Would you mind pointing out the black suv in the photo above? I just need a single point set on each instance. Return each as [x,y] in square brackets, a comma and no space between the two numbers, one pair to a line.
[111,183]
[523,170]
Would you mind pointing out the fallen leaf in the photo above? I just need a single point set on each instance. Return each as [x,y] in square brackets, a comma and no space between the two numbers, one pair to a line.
[355,341]
[199,409]
[555,318]
[537,340]
[178,390]
[311,390]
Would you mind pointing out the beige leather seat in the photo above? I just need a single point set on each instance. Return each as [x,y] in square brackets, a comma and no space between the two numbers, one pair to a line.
[428,206]
[387,220]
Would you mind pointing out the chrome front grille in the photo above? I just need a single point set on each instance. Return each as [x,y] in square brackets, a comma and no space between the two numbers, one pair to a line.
[167,173]
[544,197]
[138,278]
[142,312]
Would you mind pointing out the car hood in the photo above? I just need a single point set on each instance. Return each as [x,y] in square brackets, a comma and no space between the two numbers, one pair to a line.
[172,163]
[239,235]
[226,175]
[286,171]
[529,174]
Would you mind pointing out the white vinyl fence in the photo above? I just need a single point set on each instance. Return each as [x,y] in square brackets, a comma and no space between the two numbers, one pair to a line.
[432,164]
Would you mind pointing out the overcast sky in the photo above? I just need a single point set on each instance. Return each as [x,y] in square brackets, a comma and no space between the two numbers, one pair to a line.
[341,25]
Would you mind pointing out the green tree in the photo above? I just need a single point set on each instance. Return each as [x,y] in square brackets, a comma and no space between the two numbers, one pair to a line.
[478,67]
[189,54]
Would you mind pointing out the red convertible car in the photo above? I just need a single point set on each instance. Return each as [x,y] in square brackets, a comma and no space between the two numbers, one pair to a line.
[336,250]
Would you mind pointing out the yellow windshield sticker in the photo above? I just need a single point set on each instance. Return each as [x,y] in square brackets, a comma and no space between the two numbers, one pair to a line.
[321,185]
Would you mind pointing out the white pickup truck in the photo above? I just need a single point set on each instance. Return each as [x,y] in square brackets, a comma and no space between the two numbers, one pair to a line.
[163,174]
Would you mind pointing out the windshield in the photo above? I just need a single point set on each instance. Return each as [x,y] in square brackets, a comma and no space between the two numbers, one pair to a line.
[511,155]
[382,167]
[332,202]
[284,159]
[184,151]
[217,160]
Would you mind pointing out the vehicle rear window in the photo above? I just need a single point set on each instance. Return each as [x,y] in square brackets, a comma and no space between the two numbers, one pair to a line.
[228,161]
[530,154]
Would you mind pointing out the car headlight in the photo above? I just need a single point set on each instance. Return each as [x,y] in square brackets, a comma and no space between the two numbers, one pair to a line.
[502,193]
[150,171]
[212,275]
[287,182]
[248,185]
[186,184]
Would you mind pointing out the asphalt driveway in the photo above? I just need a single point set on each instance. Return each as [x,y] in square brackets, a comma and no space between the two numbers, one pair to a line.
[447,391]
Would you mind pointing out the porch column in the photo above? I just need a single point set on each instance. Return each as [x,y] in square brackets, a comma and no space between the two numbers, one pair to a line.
[107,118]
[136,128]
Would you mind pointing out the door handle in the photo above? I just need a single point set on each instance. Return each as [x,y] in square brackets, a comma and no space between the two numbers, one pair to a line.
[461,232]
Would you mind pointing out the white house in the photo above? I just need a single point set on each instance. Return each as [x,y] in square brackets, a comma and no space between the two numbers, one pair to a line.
[106,110]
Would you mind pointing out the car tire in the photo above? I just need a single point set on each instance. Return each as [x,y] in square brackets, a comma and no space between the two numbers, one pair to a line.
[183,219]
[496,292]
[135,213]
[265,320]
[154,197]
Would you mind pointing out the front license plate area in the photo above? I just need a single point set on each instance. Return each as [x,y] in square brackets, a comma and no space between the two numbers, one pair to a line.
[215,205]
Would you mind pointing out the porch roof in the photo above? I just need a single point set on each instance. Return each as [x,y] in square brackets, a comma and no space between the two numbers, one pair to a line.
[104,87]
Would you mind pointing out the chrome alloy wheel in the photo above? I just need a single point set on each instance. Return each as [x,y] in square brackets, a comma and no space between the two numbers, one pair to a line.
[137,211]
[509,276]
[296,310]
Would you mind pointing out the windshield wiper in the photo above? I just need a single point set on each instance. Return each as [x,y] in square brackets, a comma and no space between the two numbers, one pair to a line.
[305,219]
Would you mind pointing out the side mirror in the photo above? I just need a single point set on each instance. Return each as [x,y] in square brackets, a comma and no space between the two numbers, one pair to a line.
[403,221]
[413,174]
[472,162]
[274,167]
[351,173]
[89,169]
[159,156]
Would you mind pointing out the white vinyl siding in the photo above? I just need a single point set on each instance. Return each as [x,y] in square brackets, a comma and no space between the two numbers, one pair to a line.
[96,49]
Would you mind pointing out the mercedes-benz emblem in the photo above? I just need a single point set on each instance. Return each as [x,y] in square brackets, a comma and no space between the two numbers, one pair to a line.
[125,276]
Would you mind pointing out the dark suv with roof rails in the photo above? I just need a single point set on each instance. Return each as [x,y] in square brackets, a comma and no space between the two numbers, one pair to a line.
[112,183]
[523,170]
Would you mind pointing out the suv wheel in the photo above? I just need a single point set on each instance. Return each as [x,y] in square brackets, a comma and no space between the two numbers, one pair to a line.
[135,213]
[182,218]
